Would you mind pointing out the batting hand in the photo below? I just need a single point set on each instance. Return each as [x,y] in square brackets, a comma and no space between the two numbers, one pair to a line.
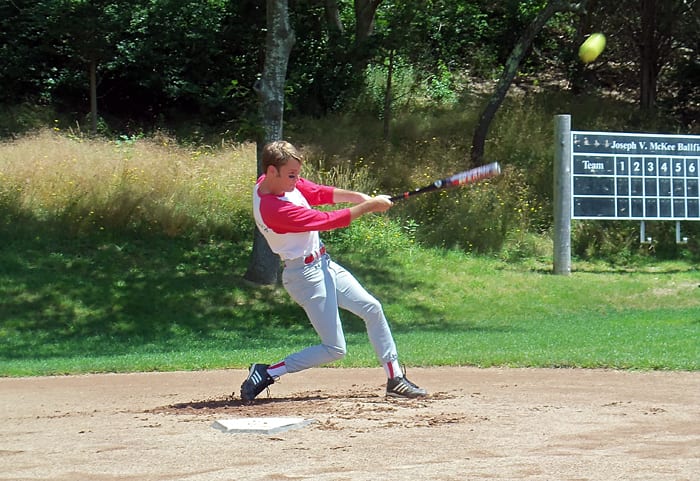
[381,203]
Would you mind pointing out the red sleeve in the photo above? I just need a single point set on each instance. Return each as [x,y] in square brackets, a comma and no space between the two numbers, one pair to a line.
[315,194]
[284,217]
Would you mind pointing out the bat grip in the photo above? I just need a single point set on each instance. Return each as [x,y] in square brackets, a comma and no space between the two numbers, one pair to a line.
[403,196]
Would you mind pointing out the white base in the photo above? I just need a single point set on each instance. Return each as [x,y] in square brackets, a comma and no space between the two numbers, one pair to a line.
[260,425]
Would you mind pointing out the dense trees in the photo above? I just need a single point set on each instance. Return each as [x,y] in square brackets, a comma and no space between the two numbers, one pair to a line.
[151,61]
[660,34]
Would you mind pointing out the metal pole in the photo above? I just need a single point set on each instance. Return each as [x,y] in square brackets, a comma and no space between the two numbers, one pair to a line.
[562,195]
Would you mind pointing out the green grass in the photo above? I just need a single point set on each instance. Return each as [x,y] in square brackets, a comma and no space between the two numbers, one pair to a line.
[102,304]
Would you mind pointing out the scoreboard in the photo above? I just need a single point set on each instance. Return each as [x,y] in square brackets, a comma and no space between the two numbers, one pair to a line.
[635,176]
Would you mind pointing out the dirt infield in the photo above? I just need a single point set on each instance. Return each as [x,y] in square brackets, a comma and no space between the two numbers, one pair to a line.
[533,424]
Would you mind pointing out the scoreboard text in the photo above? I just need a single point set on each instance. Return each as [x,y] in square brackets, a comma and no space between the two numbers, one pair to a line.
[635,176]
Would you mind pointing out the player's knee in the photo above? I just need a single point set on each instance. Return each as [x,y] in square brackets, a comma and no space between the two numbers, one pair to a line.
[373,312]
[336,352]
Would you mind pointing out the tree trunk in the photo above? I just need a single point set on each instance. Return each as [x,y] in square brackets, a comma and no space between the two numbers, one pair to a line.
[264,264]
[648,55]
[93,97]
[511,69]
[335,24]
[365,11]
[388,94]
[364,18]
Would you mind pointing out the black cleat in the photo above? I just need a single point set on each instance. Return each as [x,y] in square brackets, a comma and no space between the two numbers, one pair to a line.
[401,387]
[258,379]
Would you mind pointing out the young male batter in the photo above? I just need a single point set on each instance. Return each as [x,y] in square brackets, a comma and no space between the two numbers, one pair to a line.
[282,203]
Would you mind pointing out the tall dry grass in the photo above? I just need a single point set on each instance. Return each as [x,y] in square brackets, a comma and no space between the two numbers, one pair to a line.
[147,185]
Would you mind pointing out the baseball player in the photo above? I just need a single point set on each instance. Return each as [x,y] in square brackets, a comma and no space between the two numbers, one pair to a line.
[282,202]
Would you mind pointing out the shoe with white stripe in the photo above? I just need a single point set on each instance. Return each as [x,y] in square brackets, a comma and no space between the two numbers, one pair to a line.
[403,388]
[258,379]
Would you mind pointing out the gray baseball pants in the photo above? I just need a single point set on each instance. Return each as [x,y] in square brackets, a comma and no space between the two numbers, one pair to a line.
[320,288]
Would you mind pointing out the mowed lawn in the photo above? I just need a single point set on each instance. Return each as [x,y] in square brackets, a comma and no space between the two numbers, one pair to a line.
[103,305]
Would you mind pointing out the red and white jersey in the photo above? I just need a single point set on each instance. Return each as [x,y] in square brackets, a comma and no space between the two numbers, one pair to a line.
[289,223]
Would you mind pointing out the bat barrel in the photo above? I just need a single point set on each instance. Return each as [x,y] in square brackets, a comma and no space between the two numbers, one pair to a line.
[467,177]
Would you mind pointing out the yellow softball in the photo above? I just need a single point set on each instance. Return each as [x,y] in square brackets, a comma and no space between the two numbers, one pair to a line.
[591,48]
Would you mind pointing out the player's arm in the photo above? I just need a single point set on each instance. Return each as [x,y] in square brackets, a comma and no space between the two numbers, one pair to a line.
[317,194]
[341,196]
[380,203]
[284,217]
[364,204]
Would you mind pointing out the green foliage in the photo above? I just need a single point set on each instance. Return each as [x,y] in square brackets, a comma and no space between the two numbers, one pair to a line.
[373,234]
[24,117]
[371,98]
[619,243]
[511,216]
[480,218]
[168,63]
[157,60]
[440,86]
